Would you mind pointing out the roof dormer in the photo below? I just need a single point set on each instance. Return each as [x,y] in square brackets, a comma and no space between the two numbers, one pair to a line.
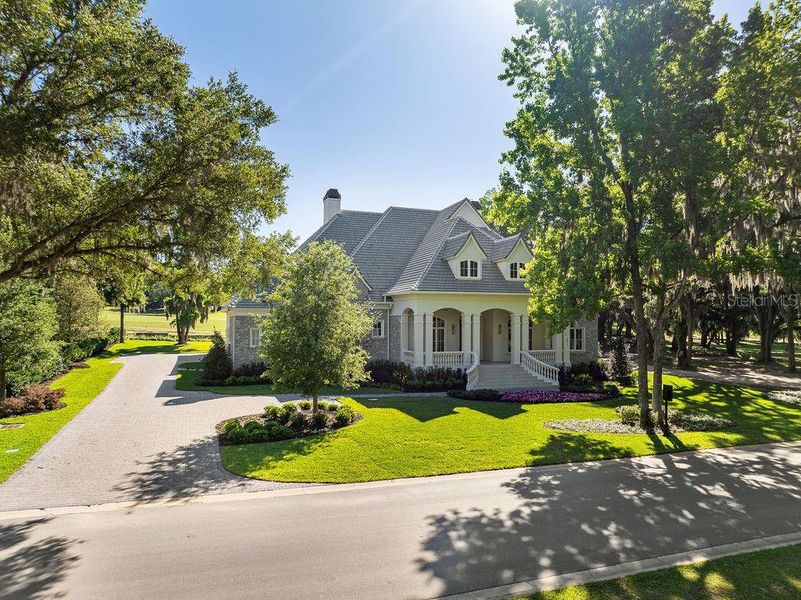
[464,256]
[511,264]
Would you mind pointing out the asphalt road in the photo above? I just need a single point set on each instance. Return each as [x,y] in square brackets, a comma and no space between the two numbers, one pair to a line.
[407,539]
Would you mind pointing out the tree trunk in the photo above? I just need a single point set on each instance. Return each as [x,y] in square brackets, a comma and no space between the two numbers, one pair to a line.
[314,404]
[183,334]
[681,335]
[690,329]
[790,318]
[765,317]
[122,323]
[705,337]
[638,301]
[2,383]
[659,333]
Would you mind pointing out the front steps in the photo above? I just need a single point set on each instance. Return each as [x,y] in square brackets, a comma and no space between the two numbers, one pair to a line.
[505,376]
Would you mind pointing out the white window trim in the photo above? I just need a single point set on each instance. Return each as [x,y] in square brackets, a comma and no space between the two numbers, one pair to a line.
[520,267]
[468,261]
[571,338]
[382,329]
[251,342]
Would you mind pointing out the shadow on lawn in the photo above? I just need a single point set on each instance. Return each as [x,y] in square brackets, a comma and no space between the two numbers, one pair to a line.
[30,567]
[576,517]
[424,408]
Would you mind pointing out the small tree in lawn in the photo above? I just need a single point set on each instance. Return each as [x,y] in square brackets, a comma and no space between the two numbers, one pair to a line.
[313,334]
[217,363]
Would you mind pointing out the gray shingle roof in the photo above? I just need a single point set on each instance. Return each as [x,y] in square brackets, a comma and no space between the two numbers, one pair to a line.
[348,227]
[404,249]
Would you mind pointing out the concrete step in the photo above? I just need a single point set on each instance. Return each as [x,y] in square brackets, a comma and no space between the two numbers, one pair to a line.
[511,377]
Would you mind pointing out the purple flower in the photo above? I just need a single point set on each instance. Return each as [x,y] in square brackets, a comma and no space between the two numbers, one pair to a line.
[540,396]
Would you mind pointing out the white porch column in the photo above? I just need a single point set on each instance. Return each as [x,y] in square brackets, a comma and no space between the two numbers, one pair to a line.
[524,333]
[556,344]
[566,347]
[404,335]
[418,340]
[467,337]
[429,340]
[515,345]
[477,335]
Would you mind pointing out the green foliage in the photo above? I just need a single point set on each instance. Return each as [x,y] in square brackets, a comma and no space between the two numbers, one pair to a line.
[109,156]
[78,306]
[620,367]
[319,420]
[217,363]
[312,337]
[345,415]
[28,328]
[253,432]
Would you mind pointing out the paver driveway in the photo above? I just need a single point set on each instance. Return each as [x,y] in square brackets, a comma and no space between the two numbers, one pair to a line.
[140,439]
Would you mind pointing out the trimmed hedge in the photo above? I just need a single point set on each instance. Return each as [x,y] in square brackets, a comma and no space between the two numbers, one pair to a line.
[401,376]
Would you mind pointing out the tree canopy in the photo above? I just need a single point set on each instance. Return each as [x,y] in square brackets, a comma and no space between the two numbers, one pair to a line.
[313,333]
[109,154]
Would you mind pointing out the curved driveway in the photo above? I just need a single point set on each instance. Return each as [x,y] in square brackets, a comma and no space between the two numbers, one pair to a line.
[140,439]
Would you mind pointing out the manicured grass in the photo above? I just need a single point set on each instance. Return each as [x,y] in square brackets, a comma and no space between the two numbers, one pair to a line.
[411,437]
[773,574]
[81,386]
[156,322]
[189,375]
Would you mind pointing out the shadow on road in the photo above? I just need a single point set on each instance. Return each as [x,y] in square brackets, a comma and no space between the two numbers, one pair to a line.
[30,567]
[594,514]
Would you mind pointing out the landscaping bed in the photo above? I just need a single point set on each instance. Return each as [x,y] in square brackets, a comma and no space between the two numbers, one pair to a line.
[679,423]
[284,422]
[788,396]
[537,396]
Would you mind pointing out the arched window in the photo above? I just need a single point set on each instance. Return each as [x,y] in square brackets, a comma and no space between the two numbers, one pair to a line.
[468,269]
[516,270]
[438,339]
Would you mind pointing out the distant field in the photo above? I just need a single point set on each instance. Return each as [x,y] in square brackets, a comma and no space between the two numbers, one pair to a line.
[156,322]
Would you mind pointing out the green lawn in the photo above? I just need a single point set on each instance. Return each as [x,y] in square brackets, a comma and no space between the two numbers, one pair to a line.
[81,387]
[411,437]
[769,574]
[156,322]
[189,375]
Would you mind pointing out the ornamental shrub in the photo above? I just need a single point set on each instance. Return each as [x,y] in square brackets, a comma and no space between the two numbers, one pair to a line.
[296,420]
[276,413]
[344,416]
[217,363]
[485,395]
[630,415]
[32,399]
[319,420]
[620,367]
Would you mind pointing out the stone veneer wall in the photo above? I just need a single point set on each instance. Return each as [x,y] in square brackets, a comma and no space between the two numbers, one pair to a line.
[241,352]
[377,347]
[590,342]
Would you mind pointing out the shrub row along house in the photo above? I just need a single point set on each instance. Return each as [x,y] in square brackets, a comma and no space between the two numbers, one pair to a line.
[448,291]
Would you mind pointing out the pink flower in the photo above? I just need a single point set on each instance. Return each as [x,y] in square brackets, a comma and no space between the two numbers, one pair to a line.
[540,396]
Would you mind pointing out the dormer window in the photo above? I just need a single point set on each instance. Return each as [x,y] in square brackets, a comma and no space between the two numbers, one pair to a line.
[516,270]
[468,269]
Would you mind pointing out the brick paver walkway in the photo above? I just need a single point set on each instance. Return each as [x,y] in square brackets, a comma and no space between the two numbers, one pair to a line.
[140,439]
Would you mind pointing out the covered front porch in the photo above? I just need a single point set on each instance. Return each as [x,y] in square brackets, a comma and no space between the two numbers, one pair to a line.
[449,337]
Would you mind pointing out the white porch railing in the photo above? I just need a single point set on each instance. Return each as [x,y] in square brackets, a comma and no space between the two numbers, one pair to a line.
[546,356]
[472,371]
[537,367]
[454,360]
[408,356]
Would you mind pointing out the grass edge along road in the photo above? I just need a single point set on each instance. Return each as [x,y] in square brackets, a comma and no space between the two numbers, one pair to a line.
[773,574]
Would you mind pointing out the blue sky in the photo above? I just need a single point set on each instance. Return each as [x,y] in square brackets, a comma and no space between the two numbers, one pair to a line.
[390,101]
